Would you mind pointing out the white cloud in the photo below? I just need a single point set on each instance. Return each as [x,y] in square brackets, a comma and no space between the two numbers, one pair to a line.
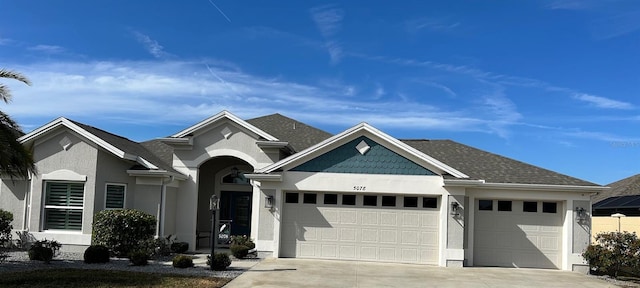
[602,102]
[48,49]
[152,46]
[431,24]
[184,92]
[328,20]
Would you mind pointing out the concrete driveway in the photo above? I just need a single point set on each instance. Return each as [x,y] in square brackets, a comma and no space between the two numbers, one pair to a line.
[328,273]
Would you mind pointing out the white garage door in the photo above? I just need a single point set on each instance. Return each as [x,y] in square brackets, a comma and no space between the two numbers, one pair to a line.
[518,234]
[360,227]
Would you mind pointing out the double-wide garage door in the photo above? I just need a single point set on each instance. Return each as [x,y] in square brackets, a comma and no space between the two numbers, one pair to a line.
[518,234]
[387,228]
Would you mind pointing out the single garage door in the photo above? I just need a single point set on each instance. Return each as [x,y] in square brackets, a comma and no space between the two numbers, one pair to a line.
[518,233]
[387,228]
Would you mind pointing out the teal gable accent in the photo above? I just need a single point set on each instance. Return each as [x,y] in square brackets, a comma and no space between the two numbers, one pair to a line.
[378,160]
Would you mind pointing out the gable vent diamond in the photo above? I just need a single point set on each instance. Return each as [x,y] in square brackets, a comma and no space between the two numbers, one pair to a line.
[226,132]
[363,147]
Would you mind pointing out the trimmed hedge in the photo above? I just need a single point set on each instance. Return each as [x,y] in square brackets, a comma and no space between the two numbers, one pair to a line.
[123,231]
[220,261]
[182,261]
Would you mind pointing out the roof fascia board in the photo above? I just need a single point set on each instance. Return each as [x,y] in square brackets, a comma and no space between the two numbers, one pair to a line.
[222,115]
[75,128]
[519,186]
[368,128]
[272,144]
[156,173]
[265,177]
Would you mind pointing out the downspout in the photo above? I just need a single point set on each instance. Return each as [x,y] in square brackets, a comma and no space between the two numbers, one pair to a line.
[163,196]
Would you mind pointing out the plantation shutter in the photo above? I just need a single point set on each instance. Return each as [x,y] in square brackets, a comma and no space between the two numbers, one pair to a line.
[115,196]
[63,205]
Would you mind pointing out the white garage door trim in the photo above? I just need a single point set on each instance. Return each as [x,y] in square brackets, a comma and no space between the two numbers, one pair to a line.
[516,233]
[391,233]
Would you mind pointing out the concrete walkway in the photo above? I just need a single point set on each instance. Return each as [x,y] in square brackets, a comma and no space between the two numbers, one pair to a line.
[328,273]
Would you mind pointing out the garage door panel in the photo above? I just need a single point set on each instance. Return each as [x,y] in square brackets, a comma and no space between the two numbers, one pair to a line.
[388,219]
[517,238]
[370,235]
[360,232]
[411,220]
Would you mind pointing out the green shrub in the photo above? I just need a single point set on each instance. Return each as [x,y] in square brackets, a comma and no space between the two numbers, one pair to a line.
[5,233]
[239,251]
[139,257]
[161,246]
[220,261]
[179,247]
[41,254]
[96,254]
[182,261]
[44,250]
[243,240]
[613,253]
[123,231]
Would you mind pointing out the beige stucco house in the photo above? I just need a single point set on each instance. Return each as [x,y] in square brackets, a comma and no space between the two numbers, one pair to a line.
[617,209]
[301,192]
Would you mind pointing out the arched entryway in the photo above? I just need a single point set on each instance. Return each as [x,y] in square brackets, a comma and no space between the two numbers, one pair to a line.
[224,176]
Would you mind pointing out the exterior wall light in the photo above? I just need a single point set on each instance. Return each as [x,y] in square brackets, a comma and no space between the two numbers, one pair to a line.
[268,202]
[455,209]
[581,214]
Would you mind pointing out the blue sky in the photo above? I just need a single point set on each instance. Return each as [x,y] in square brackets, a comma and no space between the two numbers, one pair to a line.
[552,83]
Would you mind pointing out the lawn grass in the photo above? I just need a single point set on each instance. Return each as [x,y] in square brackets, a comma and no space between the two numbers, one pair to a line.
[103,278]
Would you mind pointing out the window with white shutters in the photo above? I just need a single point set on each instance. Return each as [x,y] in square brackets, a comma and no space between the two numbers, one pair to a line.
[63,205]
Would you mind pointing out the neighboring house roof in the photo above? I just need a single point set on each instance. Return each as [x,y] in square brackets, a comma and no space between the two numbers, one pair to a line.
[299,135]
[491,168]
[625,187]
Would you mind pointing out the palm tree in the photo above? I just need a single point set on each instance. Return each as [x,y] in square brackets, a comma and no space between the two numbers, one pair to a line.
[15,159]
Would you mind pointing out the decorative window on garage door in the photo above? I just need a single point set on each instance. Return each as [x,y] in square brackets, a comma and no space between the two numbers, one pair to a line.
[63,205]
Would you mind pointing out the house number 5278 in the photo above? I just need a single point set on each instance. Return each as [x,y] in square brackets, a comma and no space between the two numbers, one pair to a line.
[359,188]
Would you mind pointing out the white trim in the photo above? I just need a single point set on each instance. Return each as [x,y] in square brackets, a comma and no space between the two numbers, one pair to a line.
[124,197]
[265,177]
[61,121]
[519,186]
[157,173]
[272,144]
[370,129]
[224,115]
[75,128]
[64,175]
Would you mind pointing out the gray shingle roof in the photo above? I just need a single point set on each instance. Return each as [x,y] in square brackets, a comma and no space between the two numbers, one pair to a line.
[492,168]
[128,146]
[625,187]
[299,135]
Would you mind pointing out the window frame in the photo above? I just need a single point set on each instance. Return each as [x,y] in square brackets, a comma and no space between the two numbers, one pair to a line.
[426,200]
[388,197]
[555,207]
[286,198]
[332,202]
[307,198]
[524,207]
[480,207]
[367,198]
[124,195]
[505,206]
[46,207]
[355,199]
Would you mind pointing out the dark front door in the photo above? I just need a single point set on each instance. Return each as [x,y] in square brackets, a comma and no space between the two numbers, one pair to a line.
[236,206]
